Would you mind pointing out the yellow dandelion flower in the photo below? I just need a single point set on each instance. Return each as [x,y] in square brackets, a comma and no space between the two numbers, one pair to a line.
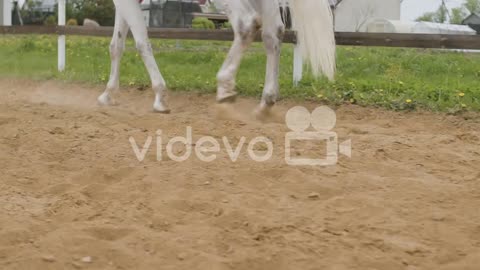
[408,101]
[461,94]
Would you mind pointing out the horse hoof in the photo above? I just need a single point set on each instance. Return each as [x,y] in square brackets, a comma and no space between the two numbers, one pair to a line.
[268,100]
[161,109]
[105,100]
[227,99]
[230,99]
[263,112]
[164,111]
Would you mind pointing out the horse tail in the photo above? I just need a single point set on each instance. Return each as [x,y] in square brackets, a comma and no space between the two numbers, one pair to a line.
[313,22]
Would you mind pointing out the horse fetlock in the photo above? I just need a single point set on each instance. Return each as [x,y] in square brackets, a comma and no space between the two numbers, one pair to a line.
[225,77]
[159,87]
[113,85]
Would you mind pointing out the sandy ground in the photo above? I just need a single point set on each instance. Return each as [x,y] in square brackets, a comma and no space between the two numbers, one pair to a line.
[74,196]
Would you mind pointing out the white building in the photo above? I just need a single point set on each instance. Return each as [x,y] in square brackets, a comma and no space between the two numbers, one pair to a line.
[390,26]
[5,12]
[441,28]
[393,26]
[355,15]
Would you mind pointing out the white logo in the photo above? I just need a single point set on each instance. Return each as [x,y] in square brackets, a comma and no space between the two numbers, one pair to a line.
[323,120]
[206,148]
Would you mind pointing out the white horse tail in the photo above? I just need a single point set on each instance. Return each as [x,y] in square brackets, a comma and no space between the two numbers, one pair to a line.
[313,22]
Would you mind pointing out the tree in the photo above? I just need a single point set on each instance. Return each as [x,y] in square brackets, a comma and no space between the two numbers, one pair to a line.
[30,14]
[458,15]
[439,16]
[363,16]
[472,6]
[102,11]
[71,11]
[427,17]
[442,14]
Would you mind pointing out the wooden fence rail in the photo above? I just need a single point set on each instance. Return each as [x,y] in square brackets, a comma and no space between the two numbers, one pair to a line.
[343,38]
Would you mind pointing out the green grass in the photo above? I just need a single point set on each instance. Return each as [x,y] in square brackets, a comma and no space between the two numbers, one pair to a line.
[399,79]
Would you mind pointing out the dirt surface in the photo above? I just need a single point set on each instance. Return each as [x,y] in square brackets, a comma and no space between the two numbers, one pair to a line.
[74,196]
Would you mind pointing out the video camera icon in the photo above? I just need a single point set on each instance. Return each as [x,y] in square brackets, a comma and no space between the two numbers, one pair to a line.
[323,120]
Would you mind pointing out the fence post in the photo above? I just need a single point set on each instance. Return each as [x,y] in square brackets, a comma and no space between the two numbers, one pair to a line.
[297,59]
[297,65]
[61,37]
[5,12]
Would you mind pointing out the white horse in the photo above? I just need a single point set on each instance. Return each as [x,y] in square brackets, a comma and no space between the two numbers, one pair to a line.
[312,20]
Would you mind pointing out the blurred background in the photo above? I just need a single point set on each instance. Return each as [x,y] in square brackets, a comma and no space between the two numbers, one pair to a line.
[396,78]
[391,16]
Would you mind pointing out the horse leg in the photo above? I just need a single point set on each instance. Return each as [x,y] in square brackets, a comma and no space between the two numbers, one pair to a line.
[272,36]
[131,12]
[117,47]
[245,31]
